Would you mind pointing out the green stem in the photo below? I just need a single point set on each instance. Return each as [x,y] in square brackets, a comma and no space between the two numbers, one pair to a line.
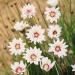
[56,69]
[56,66]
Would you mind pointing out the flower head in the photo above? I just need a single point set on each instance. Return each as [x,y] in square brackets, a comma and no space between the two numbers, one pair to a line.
[52,2]
[54,31]
[52,14]
[28,11]
[59,48]
[73,67]
[36,34]
[16,46]
[19,26]
[33,55]
[18,67]
[46,64]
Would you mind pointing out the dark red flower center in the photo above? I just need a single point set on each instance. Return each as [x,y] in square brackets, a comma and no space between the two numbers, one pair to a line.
[17,46]
[29,10]
[36,34]
[54,32]
[33,57]
[52,14]
[19,69]
[46,66]
[57,49]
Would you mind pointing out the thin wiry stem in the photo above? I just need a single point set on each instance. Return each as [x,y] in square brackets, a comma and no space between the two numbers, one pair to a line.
[56,66]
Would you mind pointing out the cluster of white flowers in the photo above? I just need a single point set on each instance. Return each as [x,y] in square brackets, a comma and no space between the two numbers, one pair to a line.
[52,14]
[36,34]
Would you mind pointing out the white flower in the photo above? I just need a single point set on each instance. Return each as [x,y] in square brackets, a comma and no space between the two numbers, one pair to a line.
[28,11]
[19,26]
[52,2]
[36,34]
[73,67]
[33,55]
[54,31]
[59,48]
[52,14]
[46,64]
[18,67]
[16,46]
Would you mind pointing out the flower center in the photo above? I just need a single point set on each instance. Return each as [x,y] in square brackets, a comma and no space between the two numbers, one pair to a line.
[57,48]
[54,32]
[17,46]
[36,34]
[33,57]
[29,10]
[52,14]
[19,69]
[46,66]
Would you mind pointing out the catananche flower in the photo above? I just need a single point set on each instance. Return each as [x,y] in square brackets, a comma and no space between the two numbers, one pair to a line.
[18,67]
[52,14]
[59,48]
[73,67]
[36,34]
[33,55]
[16,46]
[28,11]
[46,64]
[52,2]
[19,26]
[54,31]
